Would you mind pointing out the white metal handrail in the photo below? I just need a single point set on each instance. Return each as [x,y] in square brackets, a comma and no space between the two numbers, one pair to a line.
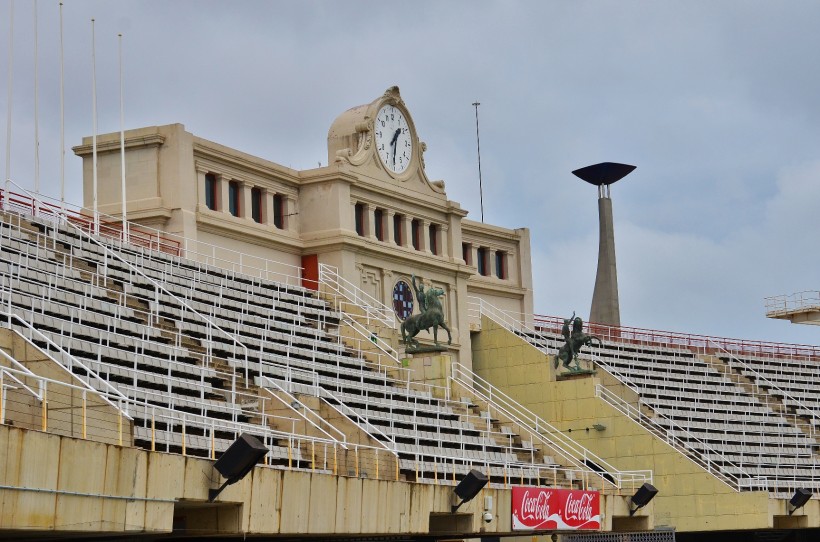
[42,396]
[122,399]
[318,391]
[158,287]
[43,207]
[372,338]
[796,302]
[267,382]
[9,316]
[338,285]
[697,452]
[177,418]
[760,378]
[477,307]
[547,434]
[672,439]
[25,371]
[348,413]
[324,395]
[145,341]
[368,428]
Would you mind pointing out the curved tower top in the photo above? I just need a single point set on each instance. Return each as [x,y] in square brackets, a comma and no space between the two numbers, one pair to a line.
[605,304]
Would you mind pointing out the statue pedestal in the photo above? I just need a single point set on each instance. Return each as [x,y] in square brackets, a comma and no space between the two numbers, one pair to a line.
[563,373]
[572,375]
[425,349]
[428,368]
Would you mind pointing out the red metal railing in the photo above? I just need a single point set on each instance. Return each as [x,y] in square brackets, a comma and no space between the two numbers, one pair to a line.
[25,204]
[701,343]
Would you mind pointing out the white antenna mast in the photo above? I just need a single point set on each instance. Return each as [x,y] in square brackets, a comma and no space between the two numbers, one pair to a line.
[62,119]
[36,119]
[122,148]
[8,115]
[94,134]
[478,147]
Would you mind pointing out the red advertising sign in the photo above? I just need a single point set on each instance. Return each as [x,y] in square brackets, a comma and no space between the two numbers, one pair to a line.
[540,508]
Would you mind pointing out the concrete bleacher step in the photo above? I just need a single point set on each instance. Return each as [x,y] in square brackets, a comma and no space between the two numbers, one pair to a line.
[222,366]
[282,327]
[29,227]
[746,383]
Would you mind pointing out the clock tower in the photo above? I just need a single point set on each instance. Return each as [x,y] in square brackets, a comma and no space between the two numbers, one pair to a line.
[380,140]
[371,214]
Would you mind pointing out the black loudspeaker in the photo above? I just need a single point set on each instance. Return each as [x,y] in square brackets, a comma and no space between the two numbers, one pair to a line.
[800,498]
[644,494]
[237,461]
[470,485]
[240,457]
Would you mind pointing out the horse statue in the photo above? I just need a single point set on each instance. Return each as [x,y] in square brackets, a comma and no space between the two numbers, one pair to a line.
[574,341]
[431,315]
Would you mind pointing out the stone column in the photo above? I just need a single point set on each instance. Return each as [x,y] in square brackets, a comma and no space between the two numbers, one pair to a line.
[424,241]
[391,234]
[465,254]
[246,205]
[605,308]
[404,225]
[267,206]
[200,187]
[223,205]
[289,216]
[370,222]
[491,263]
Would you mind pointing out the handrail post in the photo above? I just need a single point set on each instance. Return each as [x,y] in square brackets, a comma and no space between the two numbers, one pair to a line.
[85,434]
[119,423]
[44,415]
[2,397]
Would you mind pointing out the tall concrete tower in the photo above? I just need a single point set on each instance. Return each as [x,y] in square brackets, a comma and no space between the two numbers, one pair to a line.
[605,307]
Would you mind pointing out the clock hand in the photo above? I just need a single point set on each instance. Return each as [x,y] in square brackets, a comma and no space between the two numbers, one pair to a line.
[393,144]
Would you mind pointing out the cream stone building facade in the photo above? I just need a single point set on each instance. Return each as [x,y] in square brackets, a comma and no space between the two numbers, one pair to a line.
[372,213]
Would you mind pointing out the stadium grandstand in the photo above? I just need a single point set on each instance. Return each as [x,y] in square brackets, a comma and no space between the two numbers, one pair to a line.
[218,353]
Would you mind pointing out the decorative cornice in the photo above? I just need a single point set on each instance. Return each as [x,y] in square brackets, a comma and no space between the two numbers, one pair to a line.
[227,157]
[484,230]
[154,140]
[337,175]
[496,288]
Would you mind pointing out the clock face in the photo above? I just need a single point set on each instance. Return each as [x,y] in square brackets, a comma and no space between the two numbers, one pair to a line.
[402,300]
[393,138]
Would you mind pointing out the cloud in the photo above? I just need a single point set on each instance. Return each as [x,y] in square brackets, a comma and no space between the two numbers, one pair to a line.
[712,101]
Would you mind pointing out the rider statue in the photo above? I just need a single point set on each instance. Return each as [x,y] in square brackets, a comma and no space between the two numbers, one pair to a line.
[574,339]
[431,315]
[420,297]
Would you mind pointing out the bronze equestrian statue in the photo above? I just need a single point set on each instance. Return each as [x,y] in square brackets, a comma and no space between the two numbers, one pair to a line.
[573,341]
[431,315]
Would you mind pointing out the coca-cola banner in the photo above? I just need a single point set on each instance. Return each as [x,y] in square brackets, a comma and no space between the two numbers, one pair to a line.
[539,508]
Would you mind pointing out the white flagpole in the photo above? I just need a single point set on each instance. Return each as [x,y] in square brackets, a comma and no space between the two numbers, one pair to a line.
[8,114]
[94,134]
[62,119]
[122,148]
[36,119]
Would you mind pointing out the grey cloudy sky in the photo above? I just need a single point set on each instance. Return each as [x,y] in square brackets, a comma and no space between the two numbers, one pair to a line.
[717,103]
